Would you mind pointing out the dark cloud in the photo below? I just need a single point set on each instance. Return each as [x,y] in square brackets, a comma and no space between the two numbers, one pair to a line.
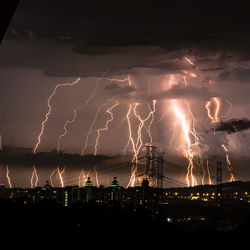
[53,59]
[124,37]
[95,27]
[225,75]
[233,125]
[239,74]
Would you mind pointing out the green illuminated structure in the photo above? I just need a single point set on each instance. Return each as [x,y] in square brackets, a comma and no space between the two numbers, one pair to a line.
[88,183]
[114,183]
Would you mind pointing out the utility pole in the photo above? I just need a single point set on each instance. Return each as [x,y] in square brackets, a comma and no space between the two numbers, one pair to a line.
[150,171]
[154,166]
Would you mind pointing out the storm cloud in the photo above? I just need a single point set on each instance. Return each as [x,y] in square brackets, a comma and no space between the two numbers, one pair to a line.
[233,125]
[97,36]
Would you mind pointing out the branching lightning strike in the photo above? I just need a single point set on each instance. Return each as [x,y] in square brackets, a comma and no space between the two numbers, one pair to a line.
[60,174]
[190,179]
[49,110]
[75,113]
[138,143]
[34,175]
[81,178]
[109,111]
[228,163]
[217,103]
[96,177]
[92,124]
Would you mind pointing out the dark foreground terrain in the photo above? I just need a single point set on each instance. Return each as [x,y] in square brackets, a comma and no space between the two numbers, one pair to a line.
[49,218]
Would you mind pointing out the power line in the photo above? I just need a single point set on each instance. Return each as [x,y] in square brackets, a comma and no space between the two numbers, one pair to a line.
[175,181]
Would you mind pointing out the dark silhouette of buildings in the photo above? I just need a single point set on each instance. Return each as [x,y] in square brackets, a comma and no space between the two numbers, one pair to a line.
[73,207]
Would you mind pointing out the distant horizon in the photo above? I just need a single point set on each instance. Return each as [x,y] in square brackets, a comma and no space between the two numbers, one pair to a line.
[21,161]
[106,186]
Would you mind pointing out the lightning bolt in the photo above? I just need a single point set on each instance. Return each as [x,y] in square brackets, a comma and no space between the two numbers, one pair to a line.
[209,176]
[229,165]
[126,79]
[34,175]
[215,118]
[109,111]
[190,179]
[60,174]
[138,143]
[8,177]
[185,80]
[96,177]
[92,124]
[130,137]
[188,74]
[75,112]
[204,171]
[191,137]
[51,181]
[229,109]
[152,114]
[190,62]
[217,103]
[197,141]
[174,129]
[49,110]
[132,142]
[217,109]
[207,105]
[82,178]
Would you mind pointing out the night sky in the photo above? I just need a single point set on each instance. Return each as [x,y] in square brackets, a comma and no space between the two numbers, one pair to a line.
[53,42]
